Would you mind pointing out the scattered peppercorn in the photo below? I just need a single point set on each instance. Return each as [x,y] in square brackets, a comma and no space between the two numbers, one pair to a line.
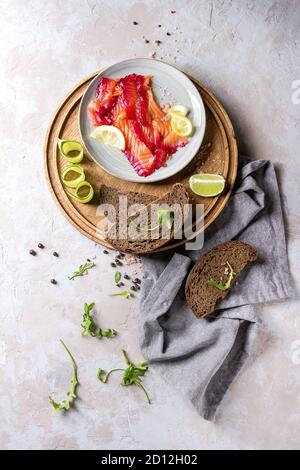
[159,25]
[41,246]
[113,265]
[168,34]
[126,276]
[137,280]
[147,41]
[119,256]
[121,284]
[32,252]
[158,42]
[118,285]
[55,254]
[135,23]
[137,287]
[105,252]
[118,262]
[173,11]
[53,281]
[133,288]
[88,260]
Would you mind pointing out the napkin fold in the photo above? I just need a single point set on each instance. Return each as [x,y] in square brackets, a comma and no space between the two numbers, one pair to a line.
[201,358]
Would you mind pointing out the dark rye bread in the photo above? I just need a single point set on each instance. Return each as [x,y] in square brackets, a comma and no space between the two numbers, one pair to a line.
[203,298]
[111,196]
[141,244]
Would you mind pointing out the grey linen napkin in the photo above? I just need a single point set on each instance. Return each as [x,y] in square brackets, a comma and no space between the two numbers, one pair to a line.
[201,358]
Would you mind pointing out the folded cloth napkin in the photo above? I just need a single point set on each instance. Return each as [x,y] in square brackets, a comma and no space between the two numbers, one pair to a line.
[201,358]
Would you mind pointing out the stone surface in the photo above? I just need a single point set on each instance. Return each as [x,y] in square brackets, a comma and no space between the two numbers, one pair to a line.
[248,53]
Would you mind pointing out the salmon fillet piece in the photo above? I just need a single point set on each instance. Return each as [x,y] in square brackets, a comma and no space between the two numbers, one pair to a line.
[128,104]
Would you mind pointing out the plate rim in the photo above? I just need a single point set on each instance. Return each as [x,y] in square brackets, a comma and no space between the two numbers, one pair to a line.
[151,178]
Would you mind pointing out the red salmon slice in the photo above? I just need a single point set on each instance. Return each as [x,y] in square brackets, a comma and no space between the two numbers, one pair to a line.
[143,164]
[128,103]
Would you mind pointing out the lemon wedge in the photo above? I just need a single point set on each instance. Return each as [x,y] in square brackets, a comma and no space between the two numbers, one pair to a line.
[207,184]
[181,125]
[109,135]
[178,109]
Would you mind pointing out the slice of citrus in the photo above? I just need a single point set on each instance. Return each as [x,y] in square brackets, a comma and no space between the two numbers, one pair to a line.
[181,125]
[178,109]
[207,185]
[109,135]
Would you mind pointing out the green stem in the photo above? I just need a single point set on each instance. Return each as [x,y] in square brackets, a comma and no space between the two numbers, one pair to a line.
[105,379]
[139,384]
[75,381]
[126,359]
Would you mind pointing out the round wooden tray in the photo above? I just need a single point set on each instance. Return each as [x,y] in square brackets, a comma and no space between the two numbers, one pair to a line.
[218,154]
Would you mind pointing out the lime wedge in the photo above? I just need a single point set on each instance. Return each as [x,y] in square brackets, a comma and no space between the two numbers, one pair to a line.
[207,185]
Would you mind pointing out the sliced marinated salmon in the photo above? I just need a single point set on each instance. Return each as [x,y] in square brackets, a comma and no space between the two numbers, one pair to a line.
[128,103]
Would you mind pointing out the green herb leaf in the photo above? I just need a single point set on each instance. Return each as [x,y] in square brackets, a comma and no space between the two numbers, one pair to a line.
[118,276]
[165,217]
[124,293]
[132,374]
[71,395]
[219,285]
[83,269]
[89,327]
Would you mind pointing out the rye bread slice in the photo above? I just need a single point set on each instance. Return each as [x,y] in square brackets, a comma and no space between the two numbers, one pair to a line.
[111,196]
[201,297]
[143,244]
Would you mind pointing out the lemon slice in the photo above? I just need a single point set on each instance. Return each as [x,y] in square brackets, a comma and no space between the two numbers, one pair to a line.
[109,135]
[181,125]
[178,109]
[207,185]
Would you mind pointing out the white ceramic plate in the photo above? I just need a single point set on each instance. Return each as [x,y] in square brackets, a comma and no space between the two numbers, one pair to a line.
[169,85]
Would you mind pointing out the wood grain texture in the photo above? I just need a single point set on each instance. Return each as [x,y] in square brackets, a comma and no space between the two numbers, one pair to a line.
[218,154]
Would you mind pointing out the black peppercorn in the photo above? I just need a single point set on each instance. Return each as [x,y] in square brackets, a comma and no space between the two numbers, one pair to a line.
[41,246]
[118,262]
[113,265]
[53,281]
[135,23]
[32,252]
[55,254]
[133,288]
[126,276]
[105,252]
[137,280]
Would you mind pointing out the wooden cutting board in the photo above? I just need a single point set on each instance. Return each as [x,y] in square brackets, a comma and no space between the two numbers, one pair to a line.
[218,154]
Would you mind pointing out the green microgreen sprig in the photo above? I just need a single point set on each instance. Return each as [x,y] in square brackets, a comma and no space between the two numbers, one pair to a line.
[132,374]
